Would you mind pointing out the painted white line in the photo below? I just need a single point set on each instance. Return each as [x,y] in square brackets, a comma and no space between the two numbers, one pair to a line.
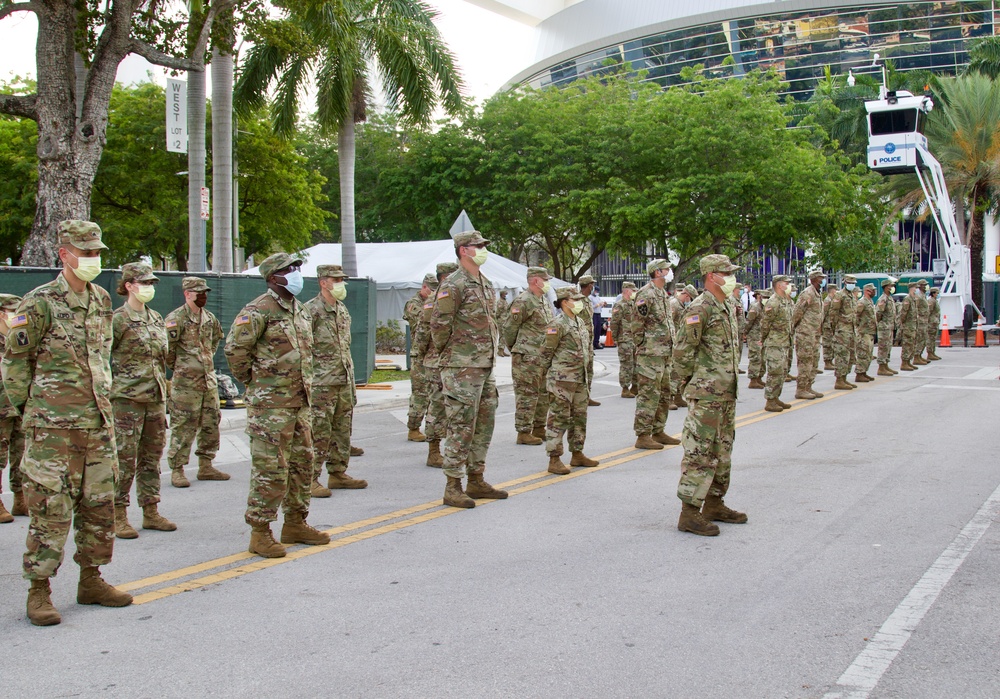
[861,678]
[961,388]
[984,374]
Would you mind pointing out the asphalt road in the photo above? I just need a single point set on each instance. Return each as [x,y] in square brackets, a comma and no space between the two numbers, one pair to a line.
[868,568]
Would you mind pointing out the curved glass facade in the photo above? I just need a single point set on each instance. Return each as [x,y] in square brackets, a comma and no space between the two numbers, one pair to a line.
[798,45]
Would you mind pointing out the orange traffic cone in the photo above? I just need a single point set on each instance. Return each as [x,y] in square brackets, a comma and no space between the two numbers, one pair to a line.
[980,335]
[945,337]
[608,340]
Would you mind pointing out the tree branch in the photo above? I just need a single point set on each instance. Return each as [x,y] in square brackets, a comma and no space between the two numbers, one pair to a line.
[157,57]
[19,106]
[19,7]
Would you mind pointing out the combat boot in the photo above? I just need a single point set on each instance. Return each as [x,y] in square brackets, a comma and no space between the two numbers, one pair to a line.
[178,479]
[691,520]
[803,393]
[665,439]
[20,508]
[773,406]
[829,366]
[5,516]
[906,366]
[591,402]
[671,405]
[208,472]
[933,356]
[883,370]
[852,385]
[862,377]
[357,451]
[842,385]
[789,378]
[816,394]
[919,361]
[40,609]
[679,400]
[341,481]
[557,467]
[646,441]
[93,590]
[296,530]
[580,460]
[528,438]
[318,490]
[152,519]
[634,389]
[454,496]
[434,458]
[124,530]
[755,382]
[479,488]
[538,432]
[414,434]
[627,393]
[263,544]
[715,509]
[783,404]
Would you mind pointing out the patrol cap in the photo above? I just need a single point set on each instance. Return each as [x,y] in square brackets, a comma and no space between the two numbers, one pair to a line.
[912,285]
[869,287]
[850,279]
[538,272]
[817,274]
[568,292]
[922,282]
[445,268]
[585,280]
[194,284]
[691,291]
[470,238]
[889,282]
[935,290]
[330,271]
[83,235]
[9,302]
[717,263]
[138,272]
[278,260]
[431,280]
[628,285]
[780,278]
[656,264]
[765,293]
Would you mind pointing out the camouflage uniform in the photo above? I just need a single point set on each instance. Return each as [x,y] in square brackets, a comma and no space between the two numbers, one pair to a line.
[923,313]
[755,369]
[588,313]
[193,339]
[776,336]
[707,360]
[676,309]
[435,427]
[653,332]
[807,324]
[741,321]
[885,317]
[843,319]
[622,317]
[564,359]
[11,434]
[908,324]
[503,315]
[57,371]
[828,353]
[933,322]
[269,349]
[866,327]
[524,335]
[419,390]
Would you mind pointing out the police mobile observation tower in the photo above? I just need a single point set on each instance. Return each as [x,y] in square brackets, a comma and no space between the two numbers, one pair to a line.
[897,146]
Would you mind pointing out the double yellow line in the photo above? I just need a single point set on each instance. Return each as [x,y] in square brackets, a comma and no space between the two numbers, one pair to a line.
[238,564]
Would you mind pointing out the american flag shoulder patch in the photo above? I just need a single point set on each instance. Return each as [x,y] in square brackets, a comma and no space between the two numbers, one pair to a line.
[429,305]
[171,323]
[442,294]
[243,320]
[691,320]
[515,310]
[18,321]
[640,302]
[551,331]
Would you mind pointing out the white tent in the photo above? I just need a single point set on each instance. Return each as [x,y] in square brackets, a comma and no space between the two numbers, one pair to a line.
[399,268]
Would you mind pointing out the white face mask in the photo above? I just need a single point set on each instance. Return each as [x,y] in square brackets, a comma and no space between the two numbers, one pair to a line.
[87,268]
[669,276]
[339,290]
[849,287]
[294,282]
[144,293]
[729,284]
[892,290]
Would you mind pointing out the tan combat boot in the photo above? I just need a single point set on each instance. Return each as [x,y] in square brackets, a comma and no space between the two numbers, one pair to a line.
[883,370]
[263,544]
[454,496]
[783,404]
[538,432]
[124,530]
[665,439]
[434,458]
[906,366]
[829,366]
[93,590]
[679,400]
[318,490]
[803,393]
[152,519]
[842,385]
[357,451]
[634,389]
[341,481]
[591,402]
[773,406]
[919,361]
[671,405]
[789,378]
[5,516]
[557,467]
[479,488]
[894,372]
[932,355]
[861,378]
[20,508]
[755,382]
[579,459]
[40,609]
[415,435]
[715,509]
[627,393]
[208,472]
[691,520]
[296,530]
[178,479]
[646,441]
[528,438]
[816,394]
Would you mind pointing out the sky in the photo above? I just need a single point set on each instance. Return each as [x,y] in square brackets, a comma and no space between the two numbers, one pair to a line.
[490,49]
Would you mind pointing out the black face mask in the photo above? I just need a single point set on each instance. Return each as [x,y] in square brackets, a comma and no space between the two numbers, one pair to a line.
[201,300]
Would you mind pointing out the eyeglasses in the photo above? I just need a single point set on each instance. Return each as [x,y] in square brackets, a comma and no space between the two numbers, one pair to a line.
[476,245]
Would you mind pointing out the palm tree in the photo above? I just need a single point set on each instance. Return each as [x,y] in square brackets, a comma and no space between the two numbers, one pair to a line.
[337,43]
[984,57]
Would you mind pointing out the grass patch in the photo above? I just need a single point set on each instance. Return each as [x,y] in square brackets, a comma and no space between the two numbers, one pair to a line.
[383,375]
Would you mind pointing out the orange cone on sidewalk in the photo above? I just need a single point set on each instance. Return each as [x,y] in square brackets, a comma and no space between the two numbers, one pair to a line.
[608,340]
[945,337]
[980,335]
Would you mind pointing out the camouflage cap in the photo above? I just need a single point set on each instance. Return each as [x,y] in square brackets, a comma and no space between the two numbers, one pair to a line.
[9,302]
[194,284]
[889,282]
[869,287]
[717,263]
[817,274]
[628,285]
[537,272]
[470,238]
[83,235]
[912,285]
[277,261]
[431,281]
[568,292]
[445,268]
[330,271]
[138,272]
[585,280]
[850,279]
[922,282]
[935,290]
[656,264]
[780,278]
[691,291]
[765,293]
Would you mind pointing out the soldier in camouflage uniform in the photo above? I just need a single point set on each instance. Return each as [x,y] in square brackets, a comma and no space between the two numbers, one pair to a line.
[866,327]
[776,336]
[418,376]
[923,312]
[464,332]
[653,331]
[622,317]
[908,327]
[707,361]
[564,360]
[429,356]
[885,319]
[933,323]
[503,315]
[677,303]
[524,335]
[843,321]
[193,335]
[807,325]
[333,395]
[741,320]
[57,373]
[828,353]
[269,349]
[138,399]
[755,349]
[11,434]
[586,283]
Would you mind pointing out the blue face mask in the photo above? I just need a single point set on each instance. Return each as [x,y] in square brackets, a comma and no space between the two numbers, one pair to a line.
[294,282]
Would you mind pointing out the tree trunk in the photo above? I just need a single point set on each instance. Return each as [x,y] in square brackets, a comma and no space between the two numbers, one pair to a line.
[222,161]
[345,159]
[976,224]
[196,169]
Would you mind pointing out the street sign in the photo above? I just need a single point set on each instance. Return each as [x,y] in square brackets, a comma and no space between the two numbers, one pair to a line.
[204,204]
[177,130]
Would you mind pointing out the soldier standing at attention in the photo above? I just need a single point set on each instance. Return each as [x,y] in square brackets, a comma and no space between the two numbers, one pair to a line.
[908,326]
[269,349]
[138,399]
[933,323]
[807,325]
[464,333]
[57,374]
[418,376]
[885,318]
[503,315]
[586,289]
[776,336]
[333,393]
[524,335]
[828,353]
[677,303]
[707,361]
[844,319]
[866,325]
[654,342]
[622,317]
[435,399]
[741,321]
[11,434]
[755,349]
[193,335]
[564,358]
[923,312]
